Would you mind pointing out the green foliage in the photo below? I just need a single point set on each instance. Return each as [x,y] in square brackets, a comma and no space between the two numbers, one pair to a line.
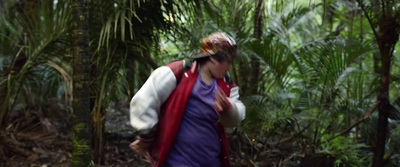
[392,147]
[345,150]
[35,53]
[317,76]
[310,74]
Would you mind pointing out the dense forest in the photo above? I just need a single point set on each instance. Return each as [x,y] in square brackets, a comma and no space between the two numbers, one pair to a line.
[320,78]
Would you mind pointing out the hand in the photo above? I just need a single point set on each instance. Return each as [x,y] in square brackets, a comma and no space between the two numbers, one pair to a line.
[222,103]
[140,147]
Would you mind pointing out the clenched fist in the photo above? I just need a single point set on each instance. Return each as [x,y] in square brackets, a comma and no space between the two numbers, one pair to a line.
[222,102]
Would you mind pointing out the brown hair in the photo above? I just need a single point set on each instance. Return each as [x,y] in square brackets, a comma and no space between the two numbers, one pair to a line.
[219,45]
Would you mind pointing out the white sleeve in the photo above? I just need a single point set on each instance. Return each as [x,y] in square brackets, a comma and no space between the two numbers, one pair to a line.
[145,104]
[238,111]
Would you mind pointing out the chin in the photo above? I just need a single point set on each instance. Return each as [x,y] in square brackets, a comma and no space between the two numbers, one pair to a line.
[217,77]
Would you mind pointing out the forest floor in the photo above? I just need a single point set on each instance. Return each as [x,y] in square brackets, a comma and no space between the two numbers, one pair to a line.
[42,137]
[34,139]
[59,155]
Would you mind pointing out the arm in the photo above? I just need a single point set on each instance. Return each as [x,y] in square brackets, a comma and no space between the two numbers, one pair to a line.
[237,111]
[145,104]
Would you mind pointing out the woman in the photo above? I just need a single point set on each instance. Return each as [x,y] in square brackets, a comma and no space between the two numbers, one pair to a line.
[180,113]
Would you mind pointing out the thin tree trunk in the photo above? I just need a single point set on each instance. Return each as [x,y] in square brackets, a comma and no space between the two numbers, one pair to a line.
[388,36]
[131,76]
[351,24]
[252,85]
[81,155]
[99,141]
[258,18]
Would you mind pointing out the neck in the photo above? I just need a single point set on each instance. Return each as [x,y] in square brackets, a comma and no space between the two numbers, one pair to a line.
[205,74]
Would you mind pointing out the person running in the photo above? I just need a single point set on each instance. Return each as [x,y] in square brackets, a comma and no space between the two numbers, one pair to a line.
[180,113]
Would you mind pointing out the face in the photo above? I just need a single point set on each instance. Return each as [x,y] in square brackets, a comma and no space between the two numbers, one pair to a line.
[219,68]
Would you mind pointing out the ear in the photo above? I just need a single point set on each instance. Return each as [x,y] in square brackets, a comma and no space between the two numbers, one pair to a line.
[213,60]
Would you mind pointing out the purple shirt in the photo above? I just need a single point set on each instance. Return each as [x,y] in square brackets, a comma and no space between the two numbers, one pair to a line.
[197,143]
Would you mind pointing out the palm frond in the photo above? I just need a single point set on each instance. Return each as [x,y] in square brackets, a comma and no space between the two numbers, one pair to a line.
[45,34]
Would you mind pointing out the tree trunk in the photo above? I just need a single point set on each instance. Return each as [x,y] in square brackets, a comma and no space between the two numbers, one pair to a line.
[81,155]
[99,140]
[387,38]
[252,85]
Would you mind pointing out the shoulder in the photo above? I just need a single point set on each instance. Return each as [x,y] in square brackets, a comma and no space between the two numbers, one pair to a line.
[177,67]
[176,64]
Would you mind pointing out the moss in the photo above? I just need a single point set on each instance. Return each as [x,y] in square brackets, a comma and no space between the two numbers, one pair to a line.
[81,155]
